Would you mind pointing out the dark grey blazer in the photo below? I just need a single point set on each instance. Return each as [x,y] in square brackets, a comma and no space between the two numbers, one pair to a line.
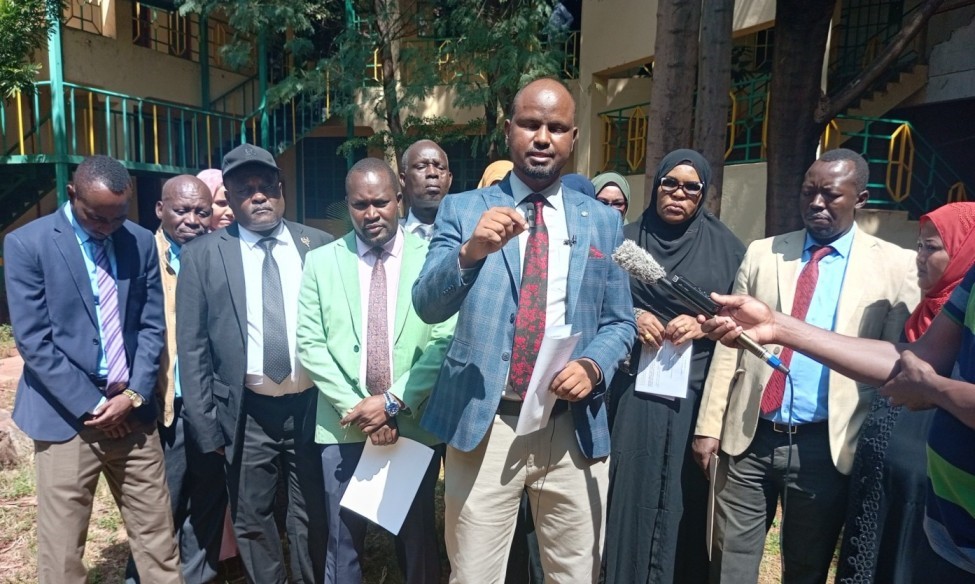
[211,331]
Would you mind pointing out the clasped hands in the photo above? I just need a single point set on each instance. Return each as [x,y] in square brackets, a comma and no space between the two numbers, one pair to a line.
[112,417]
[369,415]
[681,329]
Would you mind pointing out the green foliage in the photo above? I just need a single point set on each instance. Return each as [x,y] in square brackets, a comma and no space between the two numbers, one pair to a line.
[503,44]
[274,19]
[24,26]
[387,56]
[6,336]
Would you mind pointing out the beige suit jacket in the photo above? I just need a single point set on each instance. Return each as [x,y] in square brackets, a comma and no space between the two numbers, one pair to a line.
[165,383]
[879,292]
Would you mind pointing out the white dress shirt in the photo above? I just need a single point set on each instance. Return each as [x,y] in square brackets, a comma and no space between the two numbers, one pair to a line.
[392,262]
[413,225]
[559,249]
[289,266]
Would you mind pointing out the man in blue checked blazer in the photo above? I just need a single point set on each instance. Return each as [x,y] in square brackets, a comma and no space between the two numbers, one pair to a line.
[511,260]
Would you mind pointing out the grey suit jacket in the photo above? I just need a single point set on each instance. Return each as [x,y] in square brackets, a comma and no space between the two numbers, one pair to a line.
[879,292]
[211,331]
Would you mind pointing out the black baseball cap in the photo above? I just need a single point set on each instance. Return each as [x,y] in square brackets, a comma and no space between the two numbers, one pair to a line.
[247,154]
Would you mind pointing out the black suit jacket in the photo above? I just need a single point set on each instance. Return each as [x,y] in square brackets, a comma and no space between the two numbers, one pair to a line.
[52,309]
[211,331]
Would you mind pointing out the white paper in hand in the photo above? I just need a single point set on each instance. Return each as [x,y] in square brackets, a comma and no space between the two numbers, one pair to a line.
[554,352]
[386,480]
[664,372]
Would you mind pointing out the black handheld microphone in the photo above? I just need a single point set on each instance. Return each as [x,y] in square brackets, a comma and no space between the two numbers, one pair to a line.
[641,265]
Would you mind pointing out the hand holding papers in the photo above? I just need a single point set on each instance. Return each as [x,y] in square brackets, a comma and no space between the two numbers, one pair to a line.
[557,346]
[665,372]
[385,482]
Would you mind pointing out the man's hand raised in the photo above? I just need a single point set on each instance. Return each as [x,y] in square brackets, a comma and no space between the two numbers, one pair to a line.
[497,226]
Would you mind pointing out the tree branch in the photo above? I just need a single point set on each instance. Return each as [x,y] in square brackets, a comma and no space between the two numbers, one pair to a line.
[833,105]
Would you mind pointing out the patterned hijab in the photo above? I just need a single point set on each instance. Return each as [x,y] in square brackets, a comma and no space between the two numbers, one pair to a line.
[955,223]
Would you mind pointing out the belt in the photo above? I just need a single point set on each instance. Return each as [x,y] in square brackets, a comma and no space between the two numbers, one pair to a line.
[285,396]
[790,428]
[511,407]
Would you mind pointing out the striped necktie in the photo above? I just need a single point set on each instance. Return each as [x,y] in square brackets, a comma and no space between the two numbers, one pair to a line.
[112,342]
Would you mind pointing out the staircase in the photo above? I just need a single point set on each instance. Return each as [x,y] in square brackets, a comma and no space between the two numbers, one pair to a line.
[23,185]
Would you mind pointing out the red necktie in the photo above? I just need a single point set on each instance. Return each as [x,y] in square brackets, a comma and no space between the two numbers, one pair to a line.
[805,287]
[532,303]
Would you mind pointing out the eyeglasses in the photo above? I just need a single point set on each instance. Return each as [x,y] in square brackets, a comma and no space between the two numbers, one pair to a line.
[670,184]
[614,204]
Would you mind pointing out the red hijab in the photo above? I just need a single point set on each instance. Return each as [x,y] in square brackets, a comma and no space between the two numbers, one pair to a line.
[955,223]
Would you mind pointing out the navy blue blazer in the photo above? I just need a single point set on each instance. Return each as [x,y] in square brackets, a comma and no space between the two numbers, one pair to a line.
[52,309]
[599,305]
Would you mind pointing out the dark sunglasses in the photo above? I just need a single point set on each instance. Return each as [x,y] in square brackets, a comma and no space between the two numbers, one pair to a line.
[670,184]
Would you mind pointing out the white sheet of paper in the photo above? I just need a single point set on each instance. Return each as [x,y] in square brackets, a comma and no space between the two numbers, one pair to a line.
[665,372]
[554,352]
[386,480]
[712,495]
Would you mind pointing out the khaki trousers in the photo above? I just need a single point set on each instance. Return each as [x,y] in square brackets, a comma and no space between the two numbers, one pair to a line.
[567,492]
[67,474]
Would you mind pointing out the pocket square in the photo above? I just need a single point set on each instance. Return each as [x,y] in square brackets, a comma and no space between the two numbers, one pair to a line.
[595,253]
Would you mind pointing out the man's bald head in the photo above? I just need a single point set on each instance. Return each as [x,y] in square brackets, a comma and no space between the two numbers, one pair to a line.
[541,132]
[545,83]
[425,177]
[185,208]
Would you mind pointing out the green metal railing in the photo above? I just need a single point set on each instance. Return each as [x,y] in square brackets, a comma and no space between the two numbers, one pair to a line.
[865,28]
[146,134]
[287,122]
[906,171]
[625,139]
[625,129]
[240,99]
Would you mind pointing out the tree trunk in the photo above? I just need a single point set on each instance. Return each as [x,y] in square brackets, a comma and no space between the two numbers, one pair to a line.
[672,93]
[385,22]
[713,85]
[801,30]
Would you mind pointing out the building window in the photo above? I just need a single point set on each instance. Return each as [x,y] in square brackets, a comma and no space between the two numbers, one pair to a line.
[323,178]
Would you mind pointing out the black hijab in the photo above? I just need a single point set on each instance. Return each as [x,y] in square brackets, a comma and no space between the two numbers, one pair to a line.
[702,249]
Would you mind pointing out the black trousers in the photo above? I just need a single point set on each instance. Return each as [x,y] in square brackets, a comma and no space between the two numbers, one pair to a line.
[278,437]
[198,494]
[417,545]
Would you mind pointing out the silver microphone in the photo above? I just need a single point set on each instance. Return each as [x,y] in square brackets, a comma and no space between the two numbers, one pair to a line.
[641,265]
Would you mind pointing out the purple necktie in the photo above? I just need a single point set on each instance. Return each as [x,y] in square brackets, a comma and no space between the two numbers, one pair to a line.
[378,377]
[112,342]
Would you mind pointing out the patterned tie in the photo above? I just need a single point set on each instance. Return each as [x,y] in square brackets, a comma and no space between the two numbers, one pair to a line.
[277,355]
[112,342]
[532,302]
[805,287]
[377,337]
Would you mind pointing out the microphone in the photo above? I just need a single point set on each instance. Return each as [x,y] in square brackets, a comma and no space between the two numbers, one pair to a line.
[641,265]
[570,241]
[530,218]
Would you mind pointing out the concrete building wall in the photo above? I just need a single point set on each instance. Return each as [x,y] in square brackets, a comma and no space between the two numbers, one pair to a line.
[111,61]
[951,73]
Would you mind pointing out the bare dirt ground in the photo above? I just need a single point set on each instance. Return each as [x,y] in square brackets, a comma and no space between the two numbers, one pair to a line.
[107,548]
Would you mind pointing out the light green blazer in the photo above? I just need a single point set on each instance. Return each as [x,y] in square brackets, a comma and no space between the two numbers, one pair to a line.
[330,334]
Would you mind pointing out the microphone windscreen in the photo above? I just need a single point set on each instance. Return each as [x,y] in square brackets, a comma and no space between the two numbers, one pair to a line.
[638,263]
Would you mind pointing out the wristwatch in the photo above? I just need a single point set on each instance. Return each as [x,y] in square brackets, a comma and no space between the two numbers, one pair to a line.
[136,399]
[392,406]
